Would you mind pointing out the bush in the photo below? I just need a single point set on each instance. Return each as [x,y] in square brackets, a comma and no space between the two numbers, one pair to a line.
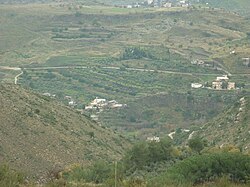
[207,167]
[10,177]
[144,154]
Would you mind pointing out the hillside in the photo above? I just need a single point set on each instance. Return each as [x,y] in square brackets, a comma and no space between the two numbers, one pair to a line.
[38,134]
[231,127]
[240,6]
[162,113]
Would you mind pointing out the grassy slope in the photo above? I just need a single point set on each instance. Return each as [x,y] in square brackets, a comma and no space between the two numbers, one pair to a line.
[230,127]
[240,6]
[163,113]
[38,133]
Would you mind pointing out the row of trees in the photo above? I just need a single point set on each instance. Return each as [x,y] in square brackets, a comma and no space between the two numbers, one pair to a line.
[135,53]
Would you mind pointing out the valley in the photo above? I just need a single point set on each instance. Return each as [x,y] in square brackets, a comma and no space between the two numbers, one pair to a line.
[89,81]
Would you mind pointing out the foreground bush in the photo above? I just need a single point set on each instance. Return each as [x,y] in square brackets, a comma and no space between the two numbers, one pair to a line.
[205,168]
[10,178]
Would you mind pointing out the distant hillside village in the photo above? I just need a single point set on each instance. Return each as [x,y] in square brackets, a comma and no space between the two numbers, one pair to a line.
[159,3]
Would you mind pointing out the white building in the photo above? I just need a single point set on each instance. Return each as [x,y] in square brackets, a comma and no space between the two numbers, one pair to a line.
[196,85]
[150,2]
[223,78]
[154,138]
[167,5]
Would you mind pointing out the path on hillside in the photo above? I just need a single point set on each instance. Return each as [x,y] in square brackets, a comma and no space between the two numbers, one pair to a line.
[16,77]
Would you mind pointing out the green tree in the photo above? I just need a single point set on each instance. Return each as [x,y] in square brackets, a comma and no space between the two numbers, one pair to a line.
[137,157]
[197,144]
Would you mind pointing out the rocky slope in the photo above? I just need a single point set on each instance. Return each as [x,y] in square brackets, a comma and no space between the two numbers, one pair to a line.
[38,134]
[231,127]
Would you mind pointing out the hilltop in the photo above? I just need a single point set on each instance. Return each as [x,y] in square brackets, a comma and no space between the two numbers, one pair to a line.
[38,134]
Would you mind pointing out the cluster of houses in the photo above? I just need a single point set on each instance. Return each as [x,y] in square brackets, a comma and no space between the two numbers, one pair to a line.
[71,102]
[159,3]
[168,3]
[99,104]
[221,83]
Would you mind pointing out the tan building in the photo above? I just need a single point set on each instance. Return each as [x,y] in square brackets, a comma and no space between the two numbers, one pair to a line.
[217,85]
[231,86]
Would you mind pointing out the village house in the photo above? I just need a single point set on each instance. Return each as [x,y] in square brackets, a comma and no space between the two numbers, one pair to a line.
[153,139]
[167,5]
[246,62]
[197,62]
[217,85]
[222,78]
[72,103]
[221,83]
[196,85]
[231,86]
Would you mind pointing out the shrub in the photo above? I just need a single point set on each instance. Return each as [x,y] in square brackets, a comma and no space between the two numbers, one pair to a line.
[207,167]
[10,177]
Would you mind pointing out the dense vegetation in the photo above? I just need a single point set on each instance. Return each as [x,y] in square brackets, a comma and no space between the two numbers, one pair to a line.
[207,167]
[138,169]
[154,164]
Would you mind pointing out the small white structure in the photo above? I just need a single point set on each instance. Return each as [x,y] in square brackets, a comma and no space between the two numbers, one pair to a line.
[117,105]
[196,85]
[94,117]
[185,130]
[246,61]
[89,107]
[232,52]
[197,62]
[99,102]
[171,135]
[153,139]
[72,103]
[68,97]
[47,94]
[222,78]
[167,5]
[150,2]
[113,102]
